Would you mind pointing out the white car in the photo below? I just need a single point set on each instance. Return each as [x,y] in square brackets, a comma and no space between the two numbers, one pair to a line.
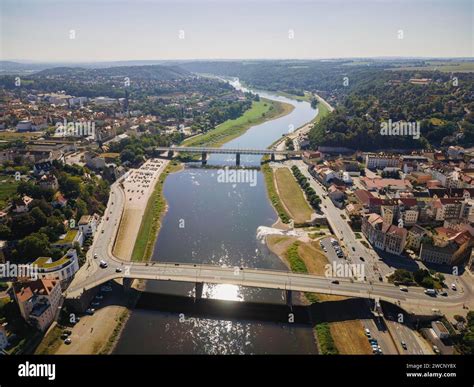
[453,286]
[103,264]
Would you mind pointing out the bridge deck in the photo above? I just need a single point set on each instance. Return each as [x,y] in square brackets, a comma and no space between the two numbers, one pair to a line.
[243,151]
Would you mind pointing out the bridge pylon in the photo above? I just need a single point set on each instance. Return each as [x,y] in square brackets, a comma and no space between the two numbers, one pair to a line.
[204,158]
[198,287]
[237,159]
[289,298]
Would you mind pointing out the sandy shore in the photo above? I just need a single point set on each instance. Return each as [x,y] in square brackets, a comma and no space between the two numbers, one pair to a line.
[138,188]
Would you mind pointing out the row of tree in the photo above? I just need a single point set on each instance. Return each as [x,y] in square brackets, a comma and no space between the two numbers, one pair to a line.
[311,195]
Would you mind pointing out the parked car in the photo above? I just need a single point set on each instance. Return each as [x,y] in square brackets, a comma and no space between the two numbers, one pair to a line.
[68,341]
[90,311]
[404,345]
[430,292]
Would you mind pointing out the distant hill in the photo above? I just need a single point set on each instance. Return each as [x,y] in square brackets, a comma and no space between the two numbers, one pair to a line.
[10,67]
[151,72]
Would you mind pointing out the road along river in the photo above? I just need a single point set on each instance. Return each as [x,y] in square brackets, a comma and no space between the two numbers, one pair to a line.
[213,218]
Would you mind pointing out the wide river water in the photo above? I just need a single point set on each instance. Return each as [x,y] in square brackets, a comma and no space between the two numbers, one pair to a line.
[214,221]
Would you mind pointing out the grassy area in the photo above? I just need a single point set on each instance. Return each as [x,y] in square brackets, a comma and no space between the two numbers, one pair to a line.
[272,193]
[51,342]
[443,66]
[306,97]
[151,221]
[292,196]
[325,340]
[263,110]
[313,257]
[12,136]
[297,265]
[8,186]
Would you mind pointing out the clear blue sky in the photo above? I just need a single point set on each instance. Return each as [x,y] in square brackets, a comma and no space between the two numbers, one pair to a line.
[149,29]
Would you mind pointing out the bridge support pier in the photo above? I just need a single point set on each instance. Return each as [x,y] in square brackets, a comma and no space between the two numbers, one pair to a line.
[170,154]
[237,159]
[198,287]
[289,298]
[127,284]
[272,157]
[204,158]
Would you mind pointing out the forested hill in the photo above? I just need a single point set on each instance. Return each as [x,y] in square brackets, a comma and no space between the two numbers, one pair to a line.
[152,72]
[442,110]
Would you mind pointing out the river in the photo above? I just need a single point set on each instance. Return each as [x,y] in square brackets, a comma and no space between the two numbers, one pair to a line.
[214,221]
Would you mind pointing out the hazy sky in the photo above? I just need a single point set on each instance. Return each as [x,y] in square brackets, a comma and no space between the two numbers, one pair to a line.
[192,29]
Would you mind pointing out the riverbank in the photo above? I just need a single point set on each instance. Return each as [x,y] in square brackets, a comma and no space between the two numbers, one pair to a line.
[139,187]
[151,221]
[344,335]
[261,111]
[292,196]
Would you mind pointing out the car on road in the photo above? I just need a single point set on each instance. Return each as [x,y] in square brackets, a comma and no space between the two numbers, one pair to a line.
[95,256]
[444,293]
[353,248]
[367,332]
[404,345]
[118,270]
[68,341]
[90,311]
[453,286]
[335,282]
[99,297]
[362,259]
[103,264]
[436,349]
[403,288]
[95,304]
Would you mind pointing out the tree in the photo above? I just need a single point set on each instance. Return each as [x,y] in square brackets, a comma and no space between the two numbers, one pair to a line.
[70,186]
[39,217]
[5,232]
[33,246]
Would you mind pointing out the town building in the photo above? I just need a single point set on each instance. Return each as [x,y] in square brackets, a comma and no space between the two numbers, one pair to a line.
[61,270]
[38,301]
[88,225]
